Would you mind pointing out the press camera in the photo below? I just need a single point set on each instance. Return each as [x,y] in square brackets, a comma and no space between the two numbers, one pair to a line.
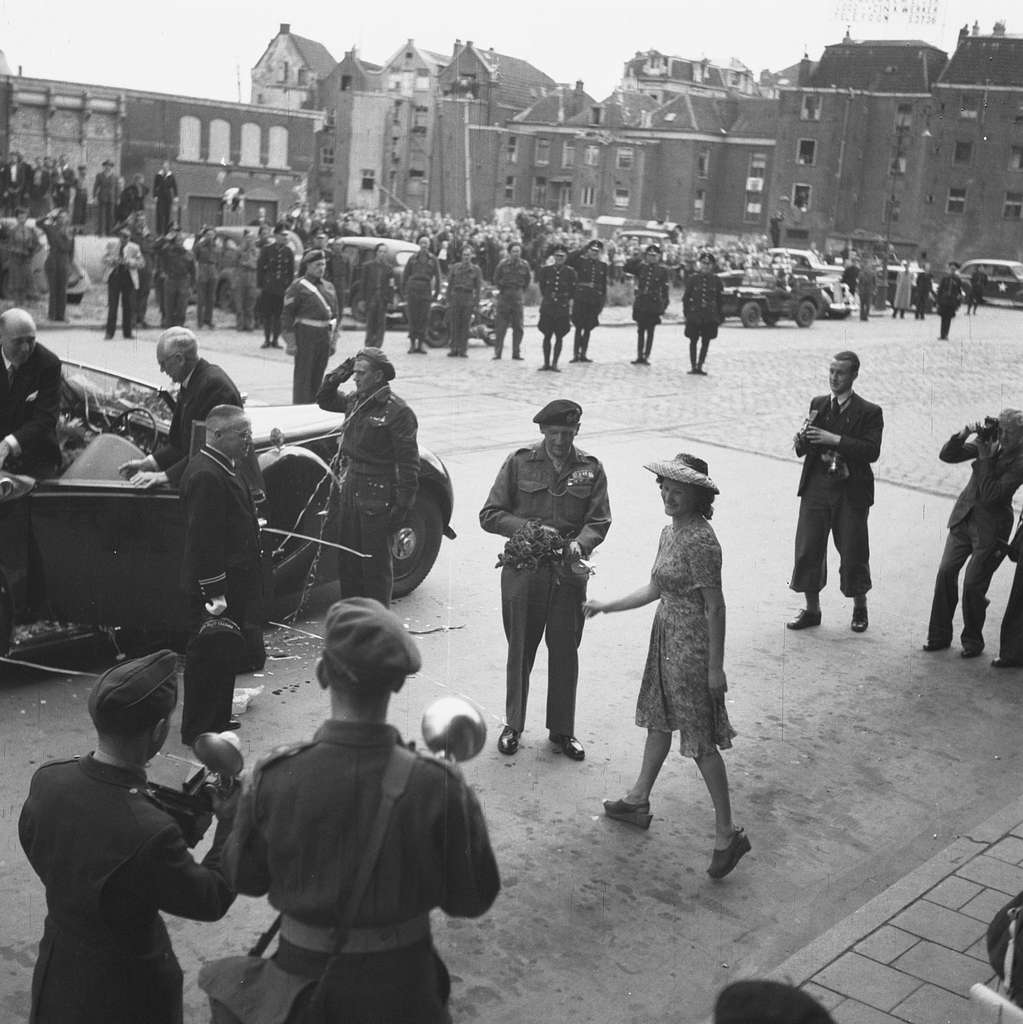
[988,430]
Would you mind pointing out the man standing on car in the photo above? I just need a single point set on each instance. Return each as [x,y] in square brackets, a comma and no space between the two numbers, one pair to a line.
[464,285]
[511,279]
[275,272]
[309,324]
[221,572]
[379,470]
[203,386]
[377,288]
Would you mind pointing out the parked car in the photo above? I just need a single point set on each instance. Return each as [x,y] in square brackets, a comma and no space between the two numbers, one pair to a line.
[757,296]
[88,548]
[827,277]
[482,327]
[359,250]
[1004,280]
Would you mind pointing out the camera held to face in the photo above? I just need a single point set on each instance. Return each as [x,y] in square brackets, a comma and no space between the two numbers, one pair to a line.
[988,430]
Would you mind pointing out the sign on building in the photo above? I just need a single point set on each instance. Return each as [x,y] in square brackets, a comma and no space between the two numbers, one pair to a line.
[888,12]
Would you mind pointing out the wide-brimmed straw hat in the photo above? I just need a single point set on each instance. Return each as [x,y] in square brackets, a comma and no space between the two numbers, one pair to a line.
[686,469]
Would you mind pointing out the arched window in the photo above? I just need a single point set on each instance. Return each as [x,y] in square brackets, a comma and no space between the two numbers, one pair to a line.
[220,141]
[277,155]
[188,138]
[250,145]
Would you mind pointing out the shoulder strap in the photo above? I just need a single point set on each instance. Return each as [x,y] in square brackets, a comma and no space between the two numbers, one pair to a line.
[316,291]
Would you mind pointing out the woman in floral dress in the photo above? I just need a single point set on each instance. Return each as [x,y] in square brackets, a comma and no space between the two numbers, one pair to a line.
[683,688]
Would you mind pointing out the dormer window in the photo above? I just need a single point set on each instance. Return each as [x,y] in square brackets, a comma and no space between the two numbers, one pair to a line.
[596,115]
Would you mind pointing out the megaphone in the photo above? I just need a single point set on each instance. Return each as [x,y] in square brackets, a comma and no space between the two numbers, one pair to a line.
[454,728]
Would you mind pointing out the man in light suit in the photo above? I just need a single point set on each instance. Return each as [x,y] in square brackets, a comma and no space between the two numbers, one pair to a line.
[122,262]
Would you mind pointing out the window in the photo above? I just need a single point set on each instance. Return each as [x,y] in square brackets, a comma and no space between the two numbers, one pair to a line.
[646,118]
[330,119]
[592,156]
[703,163]
[539,191]
[568,155]
[509,189]
[903,116]
[898,167]
[420,117]
[596,115]
[586,196]
[188,138]
[1016,158]
[303,76]
[512,152]
[250,145]
[801,197]
[543,151]
[811,108]
[416,172]
[284,71]
[326,156]
[369,179]
[346,83]
[624,158]
[753,205]
[806,152]
[621,198]
[277,148]
[1013,208]
[220,142]
[962,153]
[956,202]
[969,106]
[422,81]
[699,204]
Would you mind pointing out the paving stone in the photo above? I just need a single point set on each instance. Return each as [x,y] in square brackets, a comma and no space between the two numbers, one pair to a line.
[886,944]
[932,1005]
[939,924]
[994,873]
[979,950]
[854,1012]
[985,905]
[828,999]
[943,967]
[953,892]
[1009,849]
[861,978]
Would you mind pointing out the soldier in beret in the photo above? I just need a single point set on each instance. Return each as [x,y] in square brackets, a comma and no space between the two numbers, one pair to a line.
[112,860]
[309,323]
[557,286]
[557,485]
[354,811]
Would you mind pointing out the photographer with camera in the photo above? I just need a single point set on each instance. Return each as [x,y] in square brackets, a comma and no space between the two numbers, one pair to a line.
[980,519]
[838,441]
[111,859]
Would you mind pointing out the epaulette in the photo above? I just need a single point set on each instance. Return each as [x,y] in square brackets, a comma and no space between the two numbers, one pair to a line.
[284,751]
[63,760]
[586,455]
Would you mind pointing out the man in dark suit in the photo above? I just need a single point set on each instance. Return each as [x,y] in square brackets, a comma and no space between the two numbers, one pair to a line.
[221,571]
[29,398]
[14,178]
[203,386]
[838,442]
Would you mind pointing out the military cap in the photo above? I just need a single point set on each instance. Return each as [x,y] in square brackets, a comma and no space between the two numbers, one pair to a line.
[706,257]
[596,243]
[366,647]
[379,359]
[560,413]
[108,163]
[559,248]
[280,228]
[653,248]
[135,695]
[313,256]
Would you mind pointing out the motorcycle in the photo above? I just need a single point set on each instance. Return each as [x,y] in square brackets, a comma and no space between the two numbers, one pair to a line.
[482,327]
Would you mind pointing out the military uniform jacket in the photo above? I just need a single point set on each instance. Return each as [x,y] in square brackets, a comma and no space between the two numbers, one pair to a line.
[276,269]
[950,292]
[205,252]
[377,281]
[304,820]
[557,286]
[703,299]
[591,275]
[511,278]
[111,860]
[465,282]
[424,269]
[175,261]
[573,501]
[380,436]
[307,299]
[988,494]
[207,387]
[221,530]
[651,288]
[22,242]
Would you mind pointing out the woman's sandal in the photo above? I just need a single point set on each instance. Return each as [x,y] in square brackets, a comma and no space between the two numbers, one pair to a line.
[632,814]
[723,861]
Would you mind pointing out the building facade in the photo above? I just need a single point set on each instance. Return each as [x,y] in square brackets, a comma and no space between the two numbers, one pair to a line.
[289,72]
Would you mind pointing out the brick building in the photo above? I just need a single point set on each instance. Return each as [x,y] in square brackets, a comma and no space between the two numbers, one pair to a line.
[289,72]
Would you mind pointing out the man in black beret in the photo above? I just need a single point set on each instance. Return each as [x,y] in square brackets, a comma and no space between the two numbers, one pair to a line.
[354,811]
[309,323]
[380,470]
[112,860]
[564,491]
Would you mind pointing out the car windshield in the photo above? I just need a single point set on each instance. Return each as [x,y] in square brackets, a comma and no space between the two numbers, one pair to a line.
[757,277]
[87,388]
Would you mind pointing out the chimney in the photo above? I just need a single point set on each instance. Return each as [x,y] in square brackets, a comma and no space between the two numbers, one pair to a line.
[999,29]
[457,47]
[468,44]
[579,86]
[804,70]
[964,33]
[976,28]
[285,29]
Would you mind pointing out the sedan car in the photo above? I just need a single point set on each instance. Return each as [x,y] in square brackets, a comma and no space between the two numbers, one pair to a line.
[87,548]
[358,250]
[1004,285]
[759,296]
[828,277]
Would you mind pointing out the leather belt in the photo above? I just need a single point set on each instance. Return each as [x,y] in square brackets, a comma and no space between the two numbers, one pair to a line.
[308,322]
[378,939]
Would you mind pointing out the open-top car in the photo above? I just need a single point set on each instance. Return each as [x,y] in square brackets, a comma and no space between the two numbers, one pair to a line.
[758,296]
[828,277]
[87,548]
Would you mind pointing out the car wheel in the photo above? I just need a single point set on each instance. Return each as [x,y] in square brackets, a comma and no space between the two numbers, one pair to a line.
[358,308]
[751,314]
[437,333]
[225,295]
[415,546]
[806,313]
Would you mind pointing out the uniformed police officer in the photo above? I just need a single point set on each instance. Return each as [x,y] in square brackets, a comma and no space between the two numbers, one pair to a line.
[511,278]
[557,286]
[275,271]
[309,322]
[111,860]
[421,284]
[464,285]
[354,812]
[380,470]
[590,295]
[703,305]
[565,489]
[650,299]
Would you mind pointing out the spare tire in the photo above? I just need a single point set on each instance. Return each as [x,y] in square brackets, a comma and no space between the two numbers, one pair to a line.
[751,314]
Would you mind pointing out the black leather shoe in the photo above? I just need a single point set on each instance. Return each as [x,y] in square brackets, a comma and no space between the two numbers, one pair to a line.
[1006,663]
[933,645]
[569,746]
[971,652]
[859,620]
[234,724]
[804,620]
[508,742]
[723,861]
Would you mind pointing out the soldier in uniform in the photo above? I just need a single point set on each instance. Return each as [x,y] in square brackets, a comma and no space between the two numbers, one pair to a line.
[511,278]
[275,271]
[377,292]
[590,295]
[104,195]
[421,284]
[177,275]
[380,470]
[22,245]
[397,833]
[207,262]
[309,323]
[703,306]
[221,572]
[245,289]
[565,489]
[143,238]
[557,286]
[650,299]
[112,860]
[60,256]
[464,284]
